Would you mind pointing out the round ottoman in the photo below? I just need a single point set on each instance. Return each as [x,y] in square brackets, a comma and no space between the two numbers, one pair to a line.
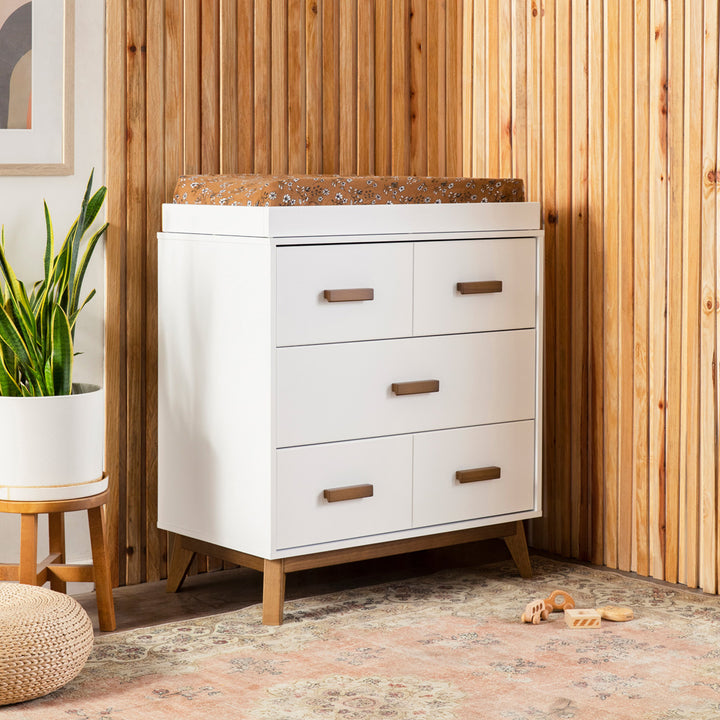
[45,639]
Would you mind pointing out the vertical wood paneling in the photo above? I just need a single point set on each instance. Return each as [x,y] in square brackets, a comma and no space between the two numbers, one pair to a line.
[210,86]
[262,71]
[135,311]
[155,541]
[657,289]
[611,295]
[313,69]
[279,87]
[296,107]
[609,112]
[626,311]
[674,497]
[400,87]
[563,247]
[579,507]
[246,85]
[366,87]
[348,87]
[596,273]
[418,88]
[330,89]
[435,88]
[115,257]
[229,87]
[708,411]
[690,412]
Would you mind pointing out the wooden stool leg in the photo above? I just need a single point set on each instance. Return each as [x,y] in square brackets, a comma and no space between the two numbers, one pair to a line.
[101,568]
[517,545]
[56,531]
[27,573]
[273,592]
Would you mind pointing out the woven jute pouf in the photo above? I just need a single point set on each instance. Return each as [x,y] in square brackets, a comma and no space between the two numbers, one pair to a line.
[45,639]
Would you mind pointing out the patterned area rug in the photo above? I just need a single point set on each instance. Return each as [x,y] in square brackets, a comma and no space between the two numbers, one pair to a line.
[448,646]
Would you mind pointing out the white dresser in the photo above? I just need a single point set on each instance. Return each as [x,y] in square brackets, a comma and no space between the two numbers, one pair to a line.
[344,382]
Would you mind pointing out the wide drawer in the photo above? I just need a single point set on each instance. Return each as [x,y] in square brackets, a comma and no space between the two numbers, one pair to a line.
[382,466]
[474,285]
[336,293]
[344,391]
[473,473]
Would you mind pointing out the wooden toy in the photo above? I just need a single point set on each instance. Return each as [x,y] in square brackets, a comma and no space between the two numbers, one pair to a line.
[584,618]
[559,600]
[535,611]
[615,613]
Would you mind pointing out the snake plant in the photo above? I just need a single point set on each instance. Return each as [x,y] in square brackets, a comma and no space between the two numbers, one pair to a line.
[37,330]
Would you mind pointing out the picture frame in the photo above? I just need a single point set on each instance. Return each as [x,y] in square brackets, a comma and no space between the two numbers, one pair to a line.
[46,148]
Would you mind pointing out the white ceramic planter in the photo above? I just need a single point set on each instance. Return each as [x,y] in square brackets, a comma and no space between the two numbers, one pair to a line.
[51,448]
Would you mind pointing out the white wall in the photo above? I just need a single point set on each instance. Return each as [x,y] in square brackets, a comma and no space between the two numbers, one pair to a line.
[21,212]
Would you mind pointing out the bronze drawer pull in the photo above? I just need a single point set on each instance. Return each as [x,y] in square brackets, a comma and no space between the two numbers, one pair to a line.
[349,294]
[476,288]
[416,387]
[477,474]
[351,492]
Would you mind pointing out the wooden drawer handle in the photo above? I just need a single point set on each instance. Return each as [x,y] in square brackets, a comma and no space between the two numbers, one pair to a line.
[477,474]
[476,288]
[416,387]
[349,294]
[350,492]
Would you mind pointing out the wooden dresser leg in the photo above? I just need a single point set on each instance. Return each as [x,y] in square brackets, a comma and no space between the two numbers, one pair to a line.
[517,545]
[27,572]
[56,532]
[101,569]
[273,592]
[180,559]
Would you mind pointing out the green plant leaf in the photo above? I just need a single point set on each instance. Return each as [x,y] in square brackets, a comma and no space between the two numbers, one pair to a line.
[83,266]
[62,352]
[8,385]
[49,242]
[11,337]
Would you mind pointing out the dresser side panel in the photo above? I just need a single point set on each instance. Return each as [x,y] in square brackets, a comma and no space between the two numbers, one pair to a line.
[215,369]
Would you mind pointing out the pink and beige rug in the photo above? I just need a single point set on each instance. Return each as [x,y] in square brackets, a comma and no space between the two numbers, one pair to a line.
[448,646]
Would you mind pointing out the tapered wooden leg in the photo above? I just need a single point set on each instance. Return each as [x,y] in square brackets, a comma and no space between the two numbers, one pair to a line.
[27,572]
[517,545]
[180,559]
[273,591]
[101,568]
[56,531]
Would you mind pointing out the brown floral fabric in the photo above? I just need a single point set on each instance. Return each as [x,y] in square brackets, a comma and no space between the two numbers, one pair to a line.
[286,190]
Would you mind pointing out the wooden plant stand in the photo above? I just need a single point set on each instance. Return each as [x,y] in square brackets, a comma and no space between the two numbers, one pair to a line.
[274,571]
[53,567]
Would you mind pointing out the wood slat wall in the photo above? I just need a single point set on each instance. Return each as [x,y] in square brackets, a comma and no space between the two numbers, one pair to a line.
[609,112]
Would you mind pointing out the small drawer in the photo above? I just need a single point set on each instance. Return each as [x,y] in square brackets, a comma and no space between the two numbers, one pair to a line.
[347,391]
[370,483]
[336,293]
[474,285]
[473,473]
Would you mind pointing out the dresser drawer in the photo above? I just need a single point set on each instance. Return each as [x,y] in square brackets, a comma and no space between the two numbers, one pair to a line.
[497,292]
[497,466]
[307,314]
[344,391]
[382,466]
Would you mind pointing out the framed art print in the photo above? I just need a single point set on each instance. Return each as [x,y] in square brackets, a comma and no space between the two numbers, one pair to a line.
[36,87]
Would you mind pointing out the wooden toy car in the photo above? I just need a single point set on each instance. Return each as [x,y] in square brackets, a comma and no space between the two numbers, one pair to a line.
[535,611]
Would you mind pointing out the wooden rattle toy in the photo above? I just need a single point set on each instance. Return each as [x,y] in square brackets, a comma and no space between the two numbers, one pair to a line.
[559,600]
[535,611]
[616,613]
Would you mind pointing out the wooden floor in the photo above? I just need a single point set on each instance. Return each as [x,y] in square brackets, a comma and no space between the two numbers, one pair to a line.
[211,593]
